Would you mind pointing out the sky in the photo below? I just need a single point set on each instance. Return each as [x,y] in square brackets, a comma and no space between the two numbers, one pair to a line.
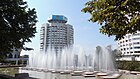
[86,34]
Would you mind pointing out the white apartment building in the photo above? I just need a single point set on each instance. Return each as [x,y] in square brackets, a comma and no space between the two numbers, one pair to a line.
[56,33]
[130,47]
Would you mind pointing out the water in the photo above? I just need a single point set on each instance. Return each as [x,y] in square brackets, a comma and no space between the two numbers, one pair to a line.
[48,75]
[100,59]
[42,75]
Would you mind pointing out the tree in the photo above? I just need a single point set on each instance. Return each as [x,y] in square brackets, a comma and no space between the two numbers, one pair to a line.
[117,17]
[17,24]
[117,53]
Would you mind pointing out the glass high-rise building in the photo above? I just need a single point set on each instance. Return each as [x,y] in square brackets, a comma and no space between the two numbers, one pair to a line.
[56,33]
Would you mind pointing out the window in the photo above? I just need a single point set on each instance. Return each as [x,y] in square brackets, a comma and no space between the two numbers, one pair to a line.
[137,52]
[124,48]
[136,43]
[136,47]
[136,38]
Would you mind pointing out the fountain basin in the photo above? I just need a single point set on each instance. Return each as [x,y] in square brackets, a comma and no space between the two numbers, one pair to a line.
[112,76]
[56,71]
[89,74]
[50,70]
[65,72]
[39,69]
[93,75]
[77,73]
[102,74]
[134,72]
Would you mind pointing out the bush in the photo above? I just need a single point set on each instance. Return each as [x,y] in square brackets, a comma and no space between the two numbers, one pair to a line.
[129,65]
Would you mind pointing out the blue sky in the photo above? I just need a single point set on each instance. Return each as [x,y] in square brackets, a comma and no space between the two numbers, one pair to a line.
[86,33]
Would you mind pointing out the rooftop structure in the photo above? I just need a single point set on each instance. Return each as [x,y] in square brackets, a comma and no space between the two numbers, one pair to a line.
[57,18]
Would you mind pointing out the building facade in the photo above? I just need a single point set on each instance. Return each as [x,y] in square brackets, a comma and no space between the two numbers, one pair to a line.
[56,33]
[130,47]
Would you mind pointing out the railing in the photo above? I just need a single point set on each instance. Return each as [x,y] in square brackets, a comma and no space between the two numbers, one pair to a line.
[14,59]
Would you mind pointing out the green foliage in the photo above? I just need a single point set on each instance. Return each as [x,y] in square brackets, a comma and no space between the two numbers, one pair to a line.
[17,24]
[8,71]
[129,65]
[117,17]
[2,58]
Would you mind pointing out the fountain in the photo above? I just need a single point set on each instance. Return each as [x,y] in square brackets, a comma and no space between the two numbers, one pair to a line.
[104,59]
[71,59]
[76,61]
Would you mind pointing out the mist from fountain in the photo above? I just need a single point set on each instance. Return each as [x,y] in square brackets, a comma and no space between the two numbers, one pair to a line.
[102,59]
